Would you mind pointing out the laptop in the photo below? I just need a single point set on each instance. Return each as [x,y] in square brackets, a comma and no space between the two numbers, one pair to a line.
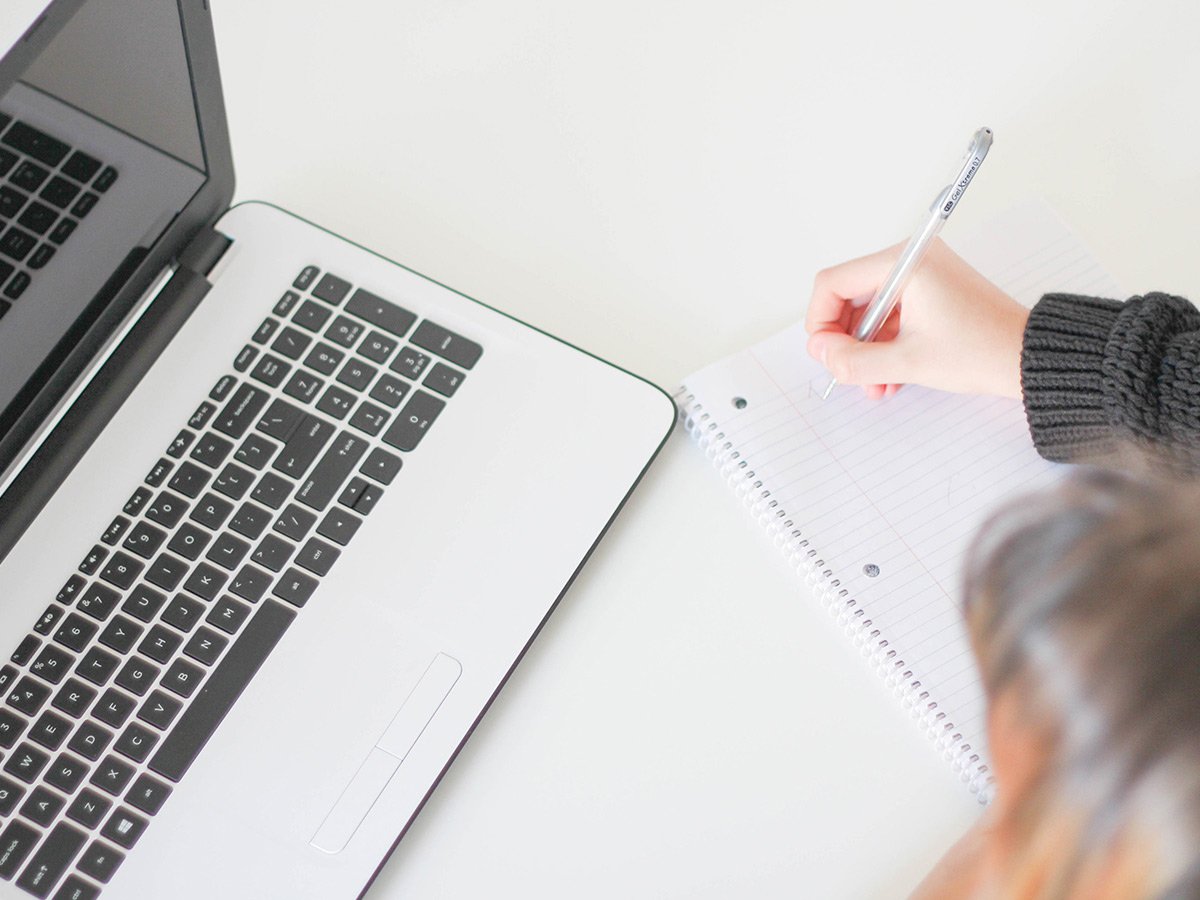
[278,516]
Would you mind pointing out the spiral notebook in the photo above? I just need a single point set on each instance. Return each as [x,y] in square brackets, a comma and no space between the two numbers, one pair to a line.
[876,502]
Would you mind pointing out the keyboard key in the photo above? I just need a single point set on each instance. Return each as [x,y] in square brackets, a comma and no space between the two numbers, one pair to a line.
[389,390]
[206,581]
[75,888]
[97,666]
[81,167]
[336,402]
[331,472]
[414,420]
[190,479]
[15,288]
[26,763]
[377,346]
[367,499]
[161,643]
[50,730]
[256,451]
[115,530]
[242,409]
[8,159]
[224,686]
[189,541]
[344,331]
[61,192]
[381,313]
[295,522]
[63,230]
[11,200]
[446,344]
[89,741]
[74,585]
[26,649]
[28,696]
[99,601]
[183,613]
[211,511]
[250,583]
[49,619]
[245,357]
[166,510]
[273,553]
[8,677]
[137,674]
[444,380]
[410,363]
[112,776]
[160,708]
[304,386]
[74,698]
[145,539]
[228,551]
[37,217]
[324,359]
[136,742]
[12,727]
[284,304]
[52,664]
[42,806]
[83,205]
[16,843]
[331,289]
[292,343]
[143,603]
[306,277]
[221,389]
[295,587]
[166,572]
[356,375]
[211,450]
[228,615]
[29,176]
[66,773]
[114,708]
[339,526]
[271,370]
[317,556]
[75,632]
[302,447]
[272,490]
[369,418]
[100,861]
[38,259]
[251,521]
[52,860]
[184,677]
[10,795]
[281,419]
[204,412]
[205,646]
[124,827]
[148,794]
[105,180]
[311,316]
[37,144]
[89,808]
[92,562]
[234,481]
[121,634]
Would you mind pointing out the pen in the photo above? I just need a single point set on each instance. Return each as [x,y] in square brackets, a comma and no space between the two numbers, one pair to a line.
[944,203]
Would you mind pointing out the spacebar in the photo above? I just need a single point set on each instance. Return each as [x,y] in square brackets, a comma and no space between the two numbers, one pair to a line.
[221,691]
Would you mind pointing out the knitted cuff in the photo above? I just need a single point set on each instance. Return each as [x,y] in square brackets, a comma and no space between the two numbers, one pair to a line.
[1061,378]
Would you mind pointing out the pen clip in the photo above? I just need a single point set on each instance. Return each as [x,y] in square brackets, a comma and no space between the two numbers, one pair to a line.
[952,193]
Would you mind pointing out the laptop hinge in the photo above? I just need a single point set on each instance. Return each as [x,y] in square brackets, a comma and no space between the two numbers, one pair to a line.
[102,389]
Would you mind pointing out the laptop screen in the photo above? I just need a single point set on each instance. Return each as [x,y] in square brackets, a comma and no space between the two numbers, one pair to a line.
[100,150]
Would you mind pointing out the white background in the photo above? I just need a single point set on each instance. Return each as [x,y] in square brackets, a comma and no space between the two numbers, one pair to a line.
[658,182]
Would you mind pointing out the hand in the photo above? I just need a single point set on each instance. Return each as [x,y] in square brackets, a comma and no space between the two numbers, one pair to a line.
[953,330]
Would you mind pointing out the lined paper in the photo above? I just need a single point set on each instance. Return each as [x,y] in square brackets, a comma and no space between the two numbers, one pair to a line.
[888,494]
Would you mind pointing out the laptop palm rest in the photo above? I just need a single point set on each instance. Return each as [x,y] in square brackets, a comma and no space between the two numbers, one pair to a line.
[387,754]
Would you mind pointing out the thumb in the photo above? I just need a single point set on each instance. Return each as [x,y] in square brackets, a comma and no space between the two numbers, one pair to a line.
[858,362]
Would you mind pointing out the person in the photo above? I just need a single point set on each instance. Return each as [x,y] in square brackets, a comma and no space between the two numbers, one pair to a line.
[1095,374]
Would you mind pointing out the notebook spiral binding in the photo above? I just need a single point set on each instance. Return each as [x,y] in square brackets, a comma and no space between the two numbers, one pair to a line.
[805,559]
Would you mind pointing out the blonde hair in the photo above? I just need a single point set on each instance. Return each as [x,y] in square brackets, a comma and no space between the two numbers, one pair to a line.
[1085,602]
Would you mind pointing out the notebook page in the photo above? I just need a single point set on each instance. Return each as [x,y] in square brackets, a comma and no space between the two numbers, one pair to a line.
[887,494]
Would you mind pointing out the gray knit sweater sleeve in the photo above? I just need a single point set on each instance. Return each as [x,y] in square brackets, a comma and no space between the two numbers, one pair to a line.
[1097,373]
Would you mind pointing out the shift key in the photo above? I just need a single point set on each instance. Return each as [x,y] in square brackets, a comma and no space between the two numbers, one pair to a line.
[332,471]
[303,446]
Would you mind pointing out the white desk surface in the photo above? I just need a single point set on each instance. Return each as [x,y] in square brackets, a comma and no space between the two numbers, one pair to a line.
[658,182]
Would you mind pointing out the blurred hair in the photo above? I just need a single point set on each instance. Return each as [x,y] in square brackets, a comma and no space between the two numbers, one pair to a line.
[1085,600]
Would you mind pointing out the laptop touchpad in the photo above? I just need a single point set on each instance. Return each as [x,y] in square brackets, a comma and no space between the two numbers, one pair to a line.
[387,754]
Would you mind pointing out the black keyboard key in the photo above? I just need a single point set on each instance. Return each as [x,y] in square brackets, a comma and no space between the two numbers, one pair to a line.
[166,510]
[179,446]
[228,551]
[331,289]
[190,479]
[38,259]
[317,556]
[148,794]
[211,450]
[112,776]
[244,358]
[291,343]
[308,440]
[273,553]
[114,708]
[89,808]
[49,619]
[16,843]
[15,288]
[11,727]
[137,675]
[228,615]
[446,344]
[75,888]
[311,316]
[121,570]
[160,708]
[205,646]
[61,192]
[166,572]
[106,179]
[83,205]
[339,526]
[121,634]
[92,562]
[161,643]
[37,144]
[99,601]
[206,581]
[306,277]
[369,418]
[76,632]
[414,420]
[344,331]
[324,359]
[241,410]
[272,490]
[124,827]
[50,730]
[81,167]
[356,375]
[74,698]
[66,773]
[221,389]
[444,380]
[28,696]
[264,331]
[100,861]
[52,664]
[26,763]
[381,313]
[284,304]
[63,230]
[145,539]
[336,402]
[115,530]
[350,495]
[251,521]
[184,677]
[29,176]
[11,200]
[389,390]
[295,587]
[89,741]
[42,806]
[410,362]
[200,417]
[224,686]
[189,541]
[26,649]
[97,666]
[37,217]
[367,499]
[52,860]
[271,370]
[10,795]
[71,589]
[332,471]
[304,386]
[183,613]
[8,677]
[256,451]
[144,603]
[8,159]
[136,742]
[250,583]
[234,481]
[281,419]
[377,346]
[211,511]
[295,522]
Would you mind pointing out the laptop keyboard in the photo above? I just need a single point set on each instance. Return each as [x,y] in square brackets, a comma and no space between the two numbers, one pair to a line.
[45,189]
[148,645]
